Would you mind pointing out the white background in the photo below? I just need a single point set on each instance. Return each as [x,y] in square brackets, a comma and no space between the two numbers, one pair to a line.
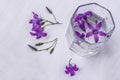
[19,62]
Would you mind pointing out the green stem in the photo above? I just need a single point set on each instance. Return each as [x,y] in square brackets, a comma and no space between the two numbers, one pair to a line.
[55,18]
[46,42]
[70,61]
[55,43]
[50,46]
[49,21]
[50,24]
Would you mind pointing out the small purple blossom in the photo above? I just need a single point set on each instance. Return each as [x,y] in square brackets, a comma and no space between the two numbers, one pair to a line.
[95,31]
[78,17]
[81,18]
[87,14]
[80,35]
[81,24]
[36,20]
[71,69]
[37,29]
[38,32]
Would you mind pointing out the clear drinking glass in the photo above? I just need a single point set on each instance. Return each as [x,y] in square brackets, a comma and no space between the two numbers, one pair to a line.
[88,46]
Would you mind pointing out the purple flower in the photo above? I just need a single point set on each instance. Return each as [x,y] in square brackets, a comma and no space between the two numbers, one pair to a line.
[38,32]
[71,69]
[95,31]
[81,18]
[80,35]
[87,14]
[37,29]
[81,24]
[36,20]
[78,17]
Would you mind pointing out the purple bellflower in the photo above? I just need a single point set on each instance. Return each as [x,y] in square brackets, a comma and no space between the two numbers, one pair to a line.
[71,69]
[38,32]
[37,29]
[36,20]
[95,31]
[81,18]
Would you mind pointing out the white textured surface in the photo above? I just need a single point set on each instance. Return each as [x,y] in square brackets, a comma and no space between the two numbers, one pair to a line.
[18,62]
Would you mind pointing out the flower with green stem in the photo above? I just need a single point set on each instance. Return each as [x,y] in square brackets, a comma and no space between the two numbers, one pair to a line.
[71,69]
[39,24]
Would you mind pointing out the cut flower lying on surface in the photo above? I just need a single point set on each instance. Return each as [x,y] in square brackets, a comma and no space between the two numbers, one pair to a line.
[38,30]
[71,69]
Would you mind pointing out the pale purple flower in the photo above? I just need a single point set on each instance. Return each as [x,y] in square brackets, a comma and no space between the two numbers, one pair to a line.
[37,29]
[95,31]
[71,69]
[81,18]
[87,14]
[38,32]
[36,20]
[78,17]
[81,24]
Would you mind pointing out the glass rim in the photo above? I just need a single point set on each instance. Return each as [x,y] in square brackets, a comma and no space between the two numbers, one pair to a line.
[111,31]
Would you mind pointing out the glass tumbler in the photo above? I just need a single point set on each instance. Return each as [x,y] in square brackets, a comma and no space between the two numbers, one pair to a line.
[91,26]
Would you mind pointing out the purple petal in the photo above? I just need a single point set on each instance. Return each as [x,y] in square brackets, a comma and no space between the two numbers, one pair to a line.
[85,17]
[38,36]
[77,33]
[35,15]
[44,34]
[96,38]
[81,24]
[82,36]
[34,21]
[34,28]
[37,28]
[72,73]
[99,25]
[33,34]
[75,68]
[89,34]
[90,26]
[88,13]
[67,67]
[102,33]
[30,21]
[78,17]
[67,72]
